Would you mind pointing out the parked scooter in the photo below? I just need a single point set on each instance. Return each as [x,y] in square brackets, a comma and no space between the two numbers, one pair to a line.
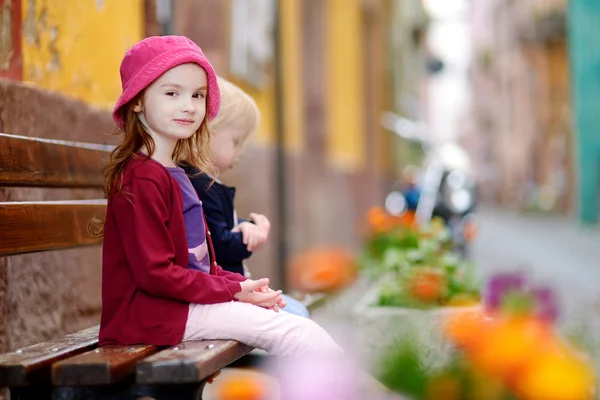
[446,188]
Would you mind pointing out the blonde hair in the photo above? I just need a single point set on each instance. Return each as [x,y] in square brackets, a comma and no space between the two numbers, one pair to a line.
[237,107]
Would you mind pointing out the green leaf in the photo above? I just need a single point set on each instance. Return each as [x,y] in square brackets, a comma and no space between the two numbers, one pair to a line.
[401,369]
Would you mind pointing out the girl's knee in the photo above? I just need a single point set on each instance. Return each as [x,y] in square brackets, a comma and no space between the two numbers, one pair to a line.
[314,337]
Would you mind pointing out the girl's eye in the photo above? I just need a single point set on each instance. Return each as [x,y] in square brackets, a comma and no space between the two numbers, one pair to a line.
[199,95]
[170,94]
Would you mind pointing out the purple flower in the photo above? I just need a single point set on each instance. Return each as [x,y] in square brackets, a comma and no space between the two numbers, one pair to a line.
[510,291]
[546,303]
[501,284]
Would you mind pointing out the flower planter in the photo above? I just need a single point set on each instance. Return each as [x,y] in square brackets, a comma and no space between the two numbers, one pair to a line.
[377,326]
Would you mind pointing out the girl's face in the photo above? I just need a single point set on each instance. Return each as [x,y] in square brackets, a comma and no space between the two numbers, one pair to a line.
[227,145]
[174,105]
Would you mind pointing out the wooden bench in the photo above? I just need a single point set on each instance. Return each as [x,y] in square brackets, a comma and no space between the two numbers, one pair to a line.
[73,367]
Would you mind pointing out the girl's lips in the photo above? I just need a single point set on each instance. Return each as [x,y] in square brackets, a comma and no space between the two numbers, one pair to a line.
[184,121]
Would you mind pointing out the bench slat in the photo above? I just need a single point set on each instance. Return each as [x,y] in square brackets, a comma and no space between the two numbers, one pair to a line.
[26,161]
[103,366]
[32,364]
[189,362]
[39,226]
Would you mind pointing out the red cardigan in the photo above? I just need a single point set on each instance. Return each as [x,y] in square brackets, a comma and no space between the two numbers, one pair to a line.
[146,284]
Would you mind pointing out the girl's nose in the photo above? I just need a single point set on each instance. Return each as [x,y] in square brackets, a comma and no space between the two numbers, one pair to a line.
[188,106]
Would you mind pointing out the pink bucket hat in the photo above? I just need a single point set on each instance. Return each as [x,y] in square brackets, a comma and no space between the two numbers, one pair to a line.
[150,58]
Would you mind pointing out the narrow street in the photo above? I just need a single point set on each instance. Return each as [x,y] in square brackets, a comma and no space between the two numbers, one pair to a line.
[555,250]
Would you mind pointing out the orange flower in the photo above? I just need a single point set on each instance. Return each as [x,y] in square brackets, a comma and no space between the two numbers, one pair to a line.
[467,328]
[426,284]
[379,220]
[322,270]
[242,388]
[407,219]
[509,343]
[523,354]
[556,375]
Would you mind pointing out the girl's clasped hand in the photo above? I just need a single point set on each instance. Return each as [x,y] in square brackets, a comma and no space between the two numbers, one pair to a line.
[257,292]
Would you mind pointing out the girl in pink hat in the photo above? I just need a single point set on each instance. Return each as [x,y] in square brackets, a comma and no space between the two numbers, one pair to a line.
[159,285]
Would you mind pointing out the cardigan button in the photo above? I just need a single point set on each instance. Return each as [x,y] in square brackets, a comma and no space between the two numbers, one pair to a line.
[209,234]
[215,263]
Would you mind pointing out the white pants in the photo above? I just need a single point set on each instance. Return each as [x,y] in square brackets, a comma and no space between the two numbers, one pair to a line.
[280,334]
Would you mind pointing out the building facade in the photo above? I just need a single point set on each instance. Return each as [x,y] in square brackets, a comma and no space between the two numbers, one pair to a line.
[521,135]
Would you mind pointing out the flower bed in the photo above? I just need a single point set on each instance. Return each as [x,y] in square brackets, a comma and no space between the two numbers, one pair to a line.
[508,349]
[421,270]
[432,336]
[377,325]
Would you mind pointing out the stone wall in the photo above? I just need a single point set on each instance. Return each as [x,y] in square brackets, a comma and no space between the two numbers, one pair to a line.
[46,294]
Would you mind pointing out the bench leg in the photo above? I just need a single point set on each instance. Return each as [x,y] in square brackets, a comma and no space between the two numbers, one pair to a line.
[30,393]
[170,392]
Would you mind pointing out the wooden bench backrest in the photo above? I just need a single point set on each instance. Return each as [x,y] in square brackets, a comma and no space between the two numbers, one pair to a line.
[30,226]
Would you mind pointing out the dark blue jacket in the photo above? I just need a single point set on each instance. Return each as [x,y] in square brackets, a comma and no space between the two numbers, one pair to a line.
[217,202]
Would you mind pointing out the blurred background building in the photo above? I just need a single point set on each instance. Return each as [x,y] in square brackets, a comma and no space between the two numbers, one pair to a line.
[522,134]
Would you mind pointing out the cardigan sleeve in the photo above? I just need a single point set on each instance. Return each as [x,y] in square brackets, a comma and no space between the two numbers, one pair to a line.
[142,217]
[229,246]
[232,276]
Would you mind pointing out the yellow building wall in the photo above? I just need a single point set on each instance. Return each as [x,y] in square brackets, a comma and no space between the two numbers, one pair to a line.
[76,46]
[345,95]
[291,51]
[265,100]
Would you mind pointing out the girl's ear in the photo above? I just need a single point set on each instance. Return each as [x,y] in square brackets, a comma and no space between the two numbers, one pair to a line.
[138,107]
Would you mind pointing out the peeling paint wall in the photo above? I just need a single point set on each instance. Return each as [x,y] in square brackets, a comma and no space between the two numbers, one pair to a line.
[6,34]
[10,42]
[76,47]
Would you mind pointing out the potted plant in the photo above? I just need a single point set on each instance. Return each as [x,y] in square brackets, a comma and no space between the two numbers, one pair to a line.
[508,350]
[416,278]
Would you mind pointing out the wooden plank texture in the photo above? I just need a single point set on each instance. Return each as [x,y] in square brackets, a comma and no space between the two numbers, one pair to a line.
[37,226]
[103,366]
[39,162]
[32,365]
[189,362]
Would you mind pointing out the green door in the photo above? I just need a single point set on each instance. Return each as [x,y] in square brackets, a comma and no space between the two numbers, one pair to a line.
[584,42]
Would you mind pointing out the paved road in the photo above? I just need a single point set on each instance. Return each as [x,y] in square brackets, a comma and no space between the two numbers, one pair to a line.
[556,250]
